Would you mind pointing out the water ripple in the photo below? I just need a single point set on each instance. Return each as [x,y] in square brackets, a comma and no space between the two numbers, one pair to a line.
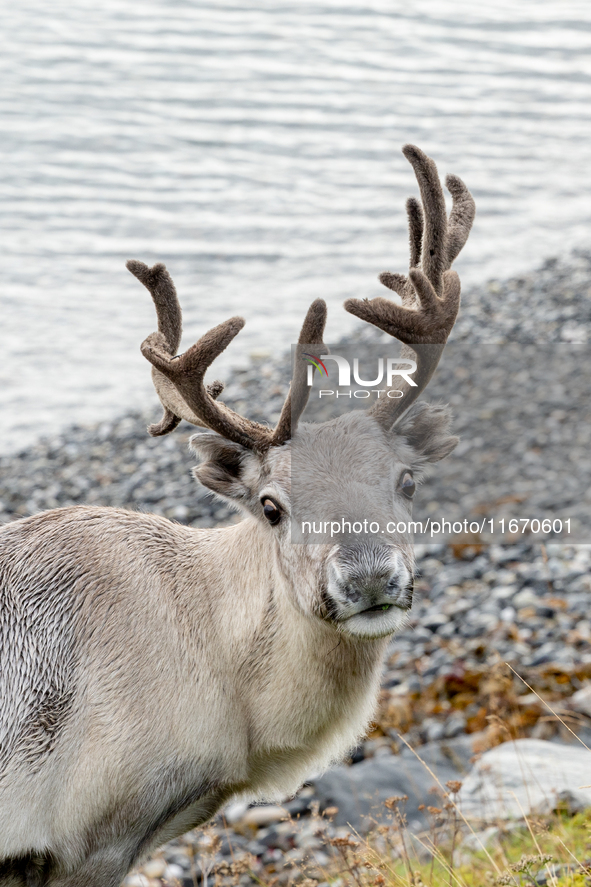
[255,150]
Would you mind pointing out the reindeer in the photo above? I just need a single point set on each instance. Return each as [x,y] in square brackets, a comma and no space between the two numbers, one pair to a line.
[150,671]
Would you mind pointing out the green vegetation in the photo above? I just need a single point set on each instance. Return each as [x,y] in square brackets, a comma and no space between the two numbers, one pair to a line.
[553,851]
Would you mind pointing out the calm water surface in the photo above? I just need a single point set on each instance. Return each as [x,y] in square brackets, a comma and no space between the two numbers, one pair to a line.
[255,149]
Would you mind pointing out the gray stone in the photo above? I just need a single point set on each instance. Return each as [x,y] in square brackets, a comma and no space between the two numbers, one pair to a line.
[359,792]
[432,730]
[526,776]
[455,725]
[266,814]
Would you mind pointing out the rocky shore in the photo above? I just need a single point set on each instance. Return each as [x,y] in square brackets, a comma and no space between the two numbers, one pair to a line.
[498,632]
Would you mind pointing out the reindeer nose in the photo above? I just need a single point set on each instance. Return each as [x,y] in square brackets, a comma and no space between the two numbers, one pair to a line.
[373,579]
[380,591]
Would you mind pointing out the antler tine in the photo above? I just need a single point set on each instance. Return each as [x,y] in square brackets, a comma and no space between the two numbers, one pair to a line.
[461,217]
[415,230]
[179,381]
[159,283]
[434,251]
[186,393]
[399,283]
[423,328]
[295,403]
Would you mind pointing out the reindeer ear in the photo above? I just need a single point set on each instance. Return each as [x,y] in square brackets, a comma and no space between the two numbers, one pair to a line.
[223,467]
[425,428]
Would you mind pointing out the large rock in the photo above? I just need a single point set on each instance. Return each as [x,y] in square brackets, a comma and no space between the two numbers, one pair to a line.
[527,776]
[359,791]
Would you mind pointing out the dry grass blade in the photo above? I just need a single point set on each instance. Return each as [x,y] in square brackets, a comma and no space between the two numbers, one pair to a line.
[549,707]
[551,878]
[433,775]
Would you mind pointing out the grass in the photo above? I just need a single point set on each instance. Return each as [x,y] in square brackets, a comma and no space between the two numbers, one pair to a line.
[548,851]
[544,851]
[552,850]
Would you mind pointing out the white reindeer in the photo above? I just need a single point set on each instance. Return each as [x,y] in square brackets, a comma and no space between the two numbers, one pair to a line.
[151,671]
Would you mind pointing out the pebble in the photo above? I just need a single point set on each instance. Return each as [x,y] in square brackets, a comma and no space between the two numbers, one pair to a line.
[264,815]
[172,872]
[155,868]
[137,880]
[235,811]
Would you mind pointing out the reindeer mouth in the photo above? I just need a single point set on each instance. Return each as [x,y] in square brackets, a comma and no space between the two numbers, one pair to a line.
[374,622]
[373,614]
[378,608]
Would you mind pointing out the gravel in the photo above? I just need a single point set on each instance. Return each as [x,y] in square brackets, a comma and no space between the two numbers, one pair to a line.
[477,606]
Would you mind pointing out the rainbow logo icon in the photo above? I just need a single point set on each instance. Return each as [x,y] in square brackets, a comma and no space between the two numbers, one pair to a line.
[316,362]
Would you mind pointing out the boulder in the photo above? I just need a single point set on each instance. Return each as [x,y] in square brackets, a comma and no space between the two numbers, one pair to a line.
[359,791]
[526,776]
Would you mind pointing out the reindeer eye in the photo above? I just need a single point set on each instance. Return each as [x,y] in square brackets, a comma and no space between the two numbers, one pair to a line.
[407,485]
[271,511]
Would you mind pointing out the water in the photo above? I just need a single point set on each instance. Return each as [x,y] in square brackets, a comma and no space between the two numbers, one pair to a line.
[255,149]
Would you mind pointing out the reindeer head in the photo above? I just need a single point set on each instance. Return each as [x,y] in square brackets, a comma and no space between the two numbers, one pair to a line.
[359,467]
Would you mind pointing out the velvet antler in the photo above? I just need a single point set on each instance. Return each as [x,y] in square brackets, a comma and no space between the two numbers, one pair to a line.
[179,381]
[431,292]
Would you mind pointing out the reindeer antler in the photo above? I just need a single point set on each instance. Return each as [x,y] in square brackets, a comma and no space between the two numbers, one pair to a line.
[431,292]
[179,381]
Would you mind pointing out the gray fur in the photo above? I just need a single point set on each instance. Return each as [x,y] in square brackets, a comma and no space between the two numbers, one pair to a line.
[37,648]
